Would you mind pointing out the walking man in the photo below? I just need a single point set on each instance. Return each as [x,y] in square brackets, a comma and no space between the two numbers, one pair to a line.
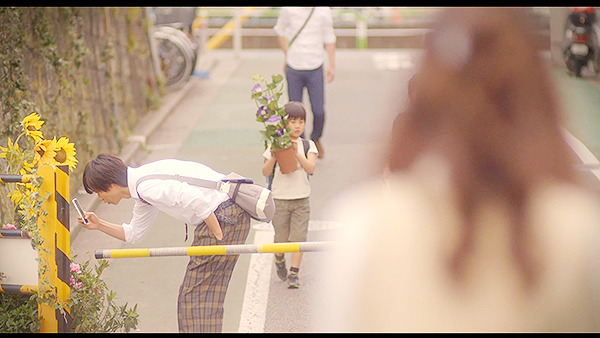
[217,220]
[303,34]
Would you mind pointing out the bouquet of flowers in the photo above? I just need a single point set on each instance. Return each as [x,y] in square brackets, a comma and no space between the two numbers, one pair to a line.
[274,118]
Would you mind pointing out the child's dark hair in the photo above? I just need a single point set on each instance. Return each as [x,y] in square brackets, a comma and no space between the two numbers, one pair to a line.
[296,110]
[100,173]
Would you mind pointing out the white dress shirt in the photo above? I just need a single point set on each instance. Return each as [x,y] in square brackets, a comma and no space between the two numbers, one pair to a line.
[188,203]
[307,52]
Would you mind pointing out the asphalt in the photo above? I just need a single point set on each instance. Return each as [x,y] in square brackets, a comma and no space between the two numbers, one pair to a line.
[211,120]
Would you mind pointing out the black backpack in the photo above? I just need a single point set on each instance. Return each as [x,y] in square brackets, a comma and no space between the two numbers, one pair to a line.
[306,145]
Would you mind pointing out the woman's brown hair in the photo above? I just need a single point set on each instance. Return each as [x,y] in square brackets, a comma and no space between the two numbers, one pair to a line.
[487,104]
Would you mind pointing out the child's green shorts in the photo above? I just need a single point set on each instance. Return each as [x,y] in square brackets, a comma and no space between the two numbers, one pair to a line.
[291,220]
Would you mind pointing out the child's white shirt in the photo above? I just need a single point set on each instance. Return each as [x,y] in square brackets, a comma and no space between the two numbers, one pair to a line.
[294,185]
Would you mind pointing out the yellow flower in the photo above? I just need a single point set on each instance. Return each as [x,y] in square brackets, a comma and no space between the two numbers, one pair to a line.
[27,167]
[16,197]
[9,148]
[44,152]
[65,152]
[31,125]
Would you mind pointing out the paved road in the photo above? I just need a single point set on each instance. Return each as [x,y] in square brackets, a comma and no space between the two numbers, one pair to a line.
[213,122]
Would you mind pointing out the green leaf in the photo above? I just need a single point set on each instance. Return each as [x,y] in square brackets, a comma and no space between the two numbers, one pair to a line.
[258,78]
[277,78]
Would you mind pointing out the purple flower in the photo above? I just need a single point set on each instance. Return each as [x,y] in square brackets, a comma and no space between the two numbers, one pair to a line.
[262,111]
[267,97]
[279,132]
[257,88]
[274,119]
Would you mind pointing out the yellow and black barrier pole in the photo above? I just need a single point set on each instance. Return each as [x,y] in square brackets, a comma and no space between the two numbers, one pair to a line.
[8,178]
[209,250]
[55,251]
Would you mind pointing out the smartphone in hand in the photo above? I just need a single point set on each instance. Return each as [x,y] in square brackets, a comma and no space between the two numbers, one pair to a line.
[80,210]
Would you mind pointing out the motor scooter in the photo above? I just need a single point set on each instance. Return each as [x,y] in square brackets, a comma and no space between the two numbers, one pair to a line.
[580,48]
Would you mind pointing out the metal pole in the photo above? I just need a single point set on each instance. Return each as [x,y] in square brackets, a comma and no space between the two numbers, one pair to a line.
[7,178]
[208,250]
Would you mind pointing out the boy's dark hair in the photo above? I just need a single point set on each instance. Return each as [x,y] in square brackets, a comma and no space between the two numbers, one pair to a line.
[295,109]
[103,171]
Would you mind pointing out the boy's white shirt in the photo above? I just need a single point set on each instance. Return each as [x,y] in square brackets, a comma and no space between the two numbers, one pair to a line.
[295,184]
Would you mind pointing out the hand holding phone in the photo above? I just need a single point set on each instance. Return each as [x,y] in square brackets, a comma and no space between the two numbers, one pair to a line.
[80,210]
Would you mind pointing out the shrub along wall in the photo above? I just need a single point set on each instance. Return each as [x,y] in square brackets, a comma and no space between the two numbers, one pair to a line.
[87,71]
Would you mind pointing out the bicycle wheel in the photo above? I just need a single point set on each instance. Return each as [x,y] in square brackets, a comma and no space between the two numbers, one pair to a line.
[184,37]
[175,58]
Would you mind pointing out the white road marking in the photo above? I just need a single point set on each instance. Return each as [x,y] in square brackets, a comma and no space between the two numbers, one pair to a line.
[585,155]
[256,296]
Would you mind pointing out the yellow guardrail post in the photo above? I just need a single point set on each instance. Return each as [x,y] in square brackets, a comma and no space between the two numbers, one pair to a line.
[225,32]
[55,251]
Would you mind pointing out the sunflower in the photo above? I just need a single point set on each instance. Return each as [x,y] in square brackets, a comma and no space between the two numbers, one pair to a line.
[44,152]
[31,125]
[27,167]
[9,148]
[65,152]
[16,197]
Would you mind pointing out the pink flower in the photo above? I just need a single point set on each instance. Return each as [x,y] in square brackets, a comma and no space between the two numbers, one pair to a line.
[9,226]
[75,268]
[74,282]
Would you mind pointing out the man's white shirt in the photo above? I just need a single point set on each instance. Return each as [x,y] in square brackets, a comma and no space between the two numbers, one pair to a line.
[188,203]
[307,52]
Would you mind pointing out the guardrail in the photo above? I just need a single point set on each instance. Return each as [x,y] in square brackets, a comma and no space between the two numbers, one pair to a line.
[54,253]
[207,250]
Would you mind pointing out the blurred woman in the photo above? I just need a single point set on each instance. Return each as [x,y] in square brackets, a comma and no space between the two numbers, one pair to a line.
[482,225]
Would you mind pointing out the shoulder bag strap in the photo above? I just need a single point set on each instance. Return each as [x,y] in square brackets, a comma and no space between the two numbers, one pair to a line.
[191,180]
[301,28]
[195,181]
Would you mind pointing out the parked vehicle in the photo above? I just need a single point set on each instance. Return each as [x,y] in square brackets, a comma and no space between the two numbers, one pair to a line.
[176,49]
[580,48]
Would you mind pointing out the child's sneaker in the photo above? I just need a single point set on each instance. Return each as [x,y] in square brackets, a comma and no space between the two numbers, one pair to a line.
[293,282]
[281,270]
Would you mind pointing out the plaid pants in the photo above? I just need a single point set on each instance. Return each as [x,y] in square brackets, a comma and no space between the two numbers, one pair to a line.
[202,293]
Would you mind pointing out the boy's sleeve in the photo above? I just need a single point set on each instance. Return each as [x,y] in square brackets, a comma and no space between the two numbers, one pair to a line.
[267,153]
[312,147]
